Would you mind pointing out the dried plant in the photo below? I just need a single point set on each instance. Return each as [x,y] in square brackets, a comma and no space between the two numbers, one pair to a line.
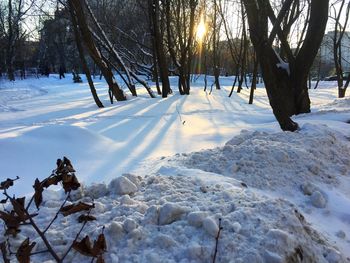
[217,241]
[20,214]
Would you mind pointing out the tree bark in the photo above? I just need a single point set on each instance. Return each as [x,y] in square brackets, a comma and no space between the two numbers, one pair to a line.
[158,45]
[215,49]
[82,58]
[93,51]
[10,44]
[253,85]
[286,84]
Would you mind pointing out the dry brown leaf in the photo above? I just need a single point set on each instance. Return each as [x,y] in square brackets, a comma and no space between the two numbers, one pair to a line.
[70,182]
[59,162]
[12,222]
[84,246]
[10,219]
[85,218]
[100,245]
[38,195]
[100,259]
[67,162]
[53,180]
[12,231]
[7,183]
[24,250]
[74,208]
[18,207]
[4,201]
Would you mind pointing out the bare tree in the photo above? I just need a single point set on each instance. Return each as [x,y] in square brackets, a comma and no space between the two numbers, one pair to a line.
[338,34]
[82,56]
[16,12]
[87,37]
[158,47]
[216,41]
[286,80]
[180,23]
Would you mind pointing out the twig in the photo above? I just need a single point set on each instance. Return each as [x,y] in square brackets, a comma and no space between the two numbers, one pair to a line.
[75,239]
[39,232]
[217,240]
[59,210]
[178,112]
[39,252]
[43,237]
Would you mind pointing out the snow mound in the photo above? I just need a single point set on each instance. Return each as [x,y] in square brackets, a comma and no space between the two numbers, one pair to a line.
[279,160]
[256,228]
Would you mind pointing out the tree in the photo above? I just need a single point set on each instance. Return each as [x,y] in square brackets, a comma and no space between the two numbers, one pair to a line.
[56,42]
[338,34]
[77,8]
[216,41]
[11,26]
[285,74]
[82,57]
[158,47]
[180,24]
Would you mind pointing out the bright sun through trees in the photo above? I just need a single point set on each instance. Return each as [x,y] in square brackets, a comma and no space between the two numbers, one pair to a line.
[201,30]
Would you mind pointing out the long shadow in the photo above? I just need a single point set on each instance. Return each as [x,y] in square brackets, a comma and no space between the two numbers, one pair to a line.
[240,104]
[141,144]
[143,110]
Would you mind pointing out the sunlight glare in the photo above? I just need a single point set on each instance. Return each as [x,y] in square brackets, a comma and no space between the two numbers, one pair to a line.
[201,30]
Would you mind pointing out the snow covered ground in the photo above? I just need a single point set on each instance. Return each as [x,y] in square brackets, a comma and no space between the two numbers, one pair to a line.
[190,161]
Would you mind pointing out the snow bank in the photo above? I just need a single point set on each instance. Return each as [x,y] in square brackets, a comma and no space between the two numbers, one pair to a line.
[256,228]
[275,161]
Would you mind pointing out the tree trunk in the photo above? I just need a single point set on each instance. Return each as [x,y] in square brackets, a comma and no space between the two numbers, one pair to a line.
[342,92]
[82,59]
[10,44]
[155,75]
[215,49]
[253,85]
[161,57]
[286,84]
[93,51]
[128,81]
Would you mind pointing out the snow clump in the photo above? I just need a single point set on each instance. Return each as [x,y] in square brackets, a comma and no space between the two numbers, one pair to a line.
[122,186]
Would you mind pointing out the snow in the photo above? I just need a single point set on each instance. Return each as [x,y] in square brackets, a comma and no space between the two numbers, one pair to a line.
[122,186]
[282,64]
[164,172]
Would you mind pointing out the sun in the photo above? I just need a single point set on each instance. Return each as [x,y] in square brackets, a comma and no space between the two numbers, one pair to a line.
[201,30]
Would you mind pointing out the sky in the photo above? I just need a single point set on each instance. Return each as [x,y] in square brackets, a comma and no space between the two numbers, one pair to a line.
[44,8]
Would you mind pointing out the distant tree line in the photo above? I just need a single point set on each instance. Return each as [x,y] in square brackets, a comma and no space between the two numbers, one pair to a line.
[276,40]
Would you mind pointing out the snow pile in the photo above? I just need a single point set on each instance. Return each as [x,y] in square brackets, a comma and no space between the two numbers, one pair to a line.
[275,161]
[173,219]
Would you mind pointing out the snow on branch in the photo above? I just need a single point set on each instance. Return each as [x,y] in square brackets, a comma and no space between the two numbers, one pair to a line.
[282,64]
